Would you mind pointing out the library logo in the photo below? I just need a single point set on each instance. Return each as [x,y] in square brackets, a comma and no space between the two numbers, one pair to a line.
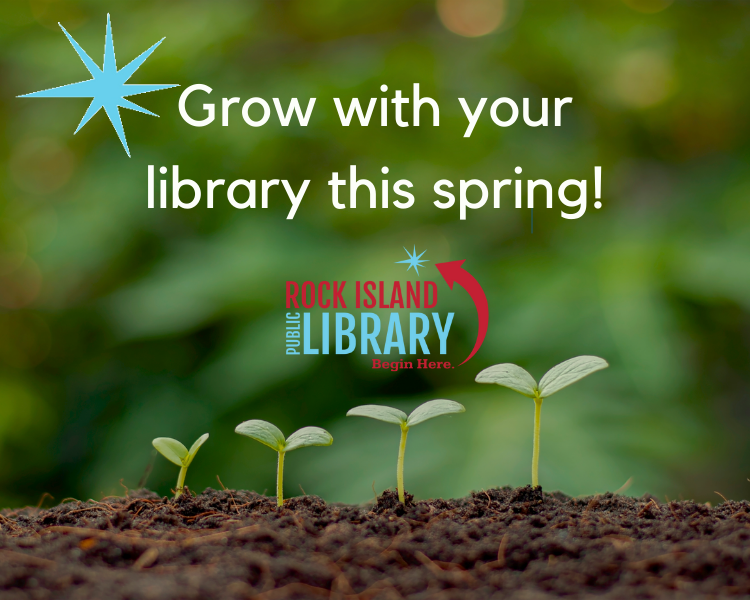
[338,317]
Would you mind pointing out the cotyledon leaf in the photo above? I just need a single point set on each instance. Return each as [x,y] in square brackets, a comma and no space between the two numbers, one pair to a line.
[308,436]
[510,376]
[195,447]
[433,408]
[264,432]
[381,413]
[172,450]
[569,372]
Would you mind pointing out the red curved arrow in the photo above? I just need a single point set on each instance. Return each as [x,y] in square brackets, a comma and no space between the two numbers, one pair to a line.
[453,272]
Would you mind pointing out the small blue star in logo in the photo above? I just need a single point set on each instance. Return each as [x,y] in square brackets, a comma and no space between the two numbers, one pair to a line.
[413,260]
[107,89]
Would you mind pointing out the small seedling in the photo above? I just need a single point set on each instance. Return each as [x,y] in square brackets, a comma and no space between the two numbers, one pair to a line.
[175,452]
[428,410]
[270,435]
[518,379]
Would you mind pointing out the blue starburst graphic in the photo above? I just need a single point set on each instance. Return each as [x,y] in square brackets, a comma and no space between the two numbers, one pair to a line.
[107,88]
[413,260]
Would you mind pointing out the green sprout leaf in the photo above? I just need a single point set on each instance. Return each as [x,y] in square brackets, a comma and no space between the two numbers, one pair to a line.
[380,413]
[172,450]
[263,432]
[308,436]
[176,452]
[510,376]
[558,377]
[569,372]
[195,447]
[270,435]
[428,410]
[433,408]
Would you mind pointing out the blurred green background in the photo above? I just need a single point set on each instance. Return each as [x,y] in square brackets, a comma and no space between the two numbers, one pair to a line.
[119,324]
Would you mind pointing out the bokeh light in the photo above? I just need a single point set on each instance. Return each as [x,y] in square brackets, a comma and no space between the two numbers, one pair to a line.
[643,78]
[472,18]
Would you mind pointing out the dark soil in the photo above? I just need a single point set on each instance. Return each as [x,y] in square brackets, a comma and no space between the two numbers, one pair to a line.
[499,543]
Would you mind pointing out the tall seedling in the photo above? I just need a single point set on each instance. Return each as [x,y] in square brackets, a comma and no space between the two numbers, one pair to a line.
[270,435]
[428,410]
[514,377]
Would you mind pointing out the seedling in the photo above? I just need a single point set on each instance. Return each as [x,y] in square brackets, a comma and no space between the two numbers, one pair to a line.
[270,435]
[518,379]
[175,452]
[428,410]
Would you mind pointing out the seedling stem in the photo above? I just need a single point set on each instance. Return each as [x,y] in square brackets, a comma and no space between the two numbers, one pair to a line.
[535,457]
[180,482]
[280,480]
[400,467]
